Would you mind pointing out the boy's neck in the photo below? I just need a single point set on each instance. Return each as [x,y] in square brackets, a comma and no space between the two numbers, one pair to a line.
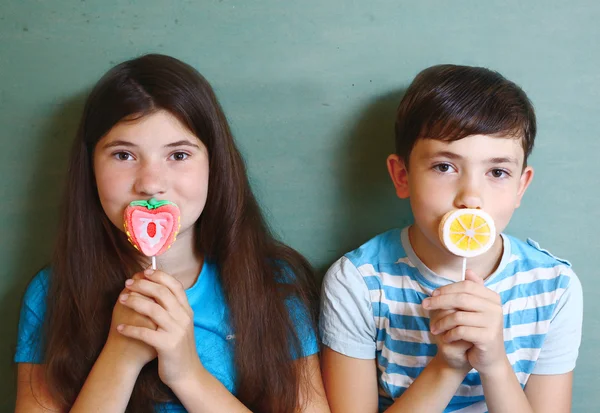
[448,265]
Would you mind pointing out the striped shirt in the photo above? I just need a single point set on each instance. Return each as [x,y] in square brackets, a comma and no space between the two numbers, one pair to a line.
[371,309]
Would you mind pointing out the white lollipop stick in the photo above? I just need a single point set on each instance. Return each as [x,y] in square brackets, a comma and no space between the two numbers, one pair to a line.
[464,269]
[154,262]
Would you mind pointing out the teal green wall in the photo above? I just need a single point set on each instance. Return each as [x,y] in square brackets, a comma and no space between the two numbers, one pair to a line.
[310,88]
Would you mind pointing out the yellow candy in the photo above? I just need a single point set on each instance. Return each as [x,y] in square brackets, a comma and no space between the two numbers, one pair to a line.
[467,232]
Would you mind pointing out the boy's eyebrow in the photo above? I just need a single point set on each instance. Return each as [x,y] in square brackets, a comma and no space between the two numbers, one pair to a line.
[508,159]
[452,155]
[445,154]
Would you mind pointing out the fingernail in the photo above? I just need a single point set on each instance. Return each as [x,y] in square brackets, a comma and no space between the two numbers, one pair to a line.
[148,271]
[425,303]
[129,282]
[120,327]
[124,297]
[436,293]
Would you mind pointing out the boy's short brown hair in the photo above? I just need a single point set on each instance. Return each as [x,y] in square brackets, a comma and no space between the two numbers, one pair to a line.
[449,102]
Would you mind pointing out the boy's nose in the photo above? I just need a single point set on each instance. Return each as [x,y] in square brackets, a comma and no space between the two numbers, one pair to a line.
[468,197]
[150,181]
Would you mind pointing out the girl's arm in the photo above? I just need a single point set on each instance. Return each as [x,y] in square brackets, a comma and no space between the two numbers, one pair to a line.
[107,388]
[312,394]
[179,366]
[109,384]
[32,391]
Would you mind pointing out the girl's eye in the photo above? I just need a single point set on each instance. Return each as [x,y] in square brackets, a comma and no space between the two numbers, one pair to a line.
[499,173]
[179,156]
[123,156]
[443,167]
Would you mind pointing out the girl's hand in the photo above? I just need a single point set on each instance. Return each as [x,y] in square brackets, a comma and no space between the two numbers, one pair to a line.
[134,351]
[173,340]
[476,318]
[452,355]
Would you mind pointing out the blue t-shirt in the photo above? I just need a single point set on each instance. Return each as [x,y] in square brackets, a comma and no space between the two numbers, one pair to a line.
[371,309]
[214,335]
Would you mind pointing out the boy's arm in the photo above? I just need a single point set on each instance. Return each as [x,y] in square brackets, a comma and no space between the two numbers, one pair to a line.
[350,383]
[549,388]
[348,332]
[543,393]
[348,360]
[550,393]
[479,320]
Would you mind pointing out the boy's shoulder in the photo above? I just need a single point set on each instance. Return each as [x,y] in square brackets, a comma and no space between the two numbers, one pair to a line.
[385,248]
[535,267]
[530,253]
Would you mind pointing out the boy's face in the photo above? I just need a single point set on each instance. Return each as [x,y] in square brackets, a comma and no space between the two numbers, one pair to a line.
[479,171]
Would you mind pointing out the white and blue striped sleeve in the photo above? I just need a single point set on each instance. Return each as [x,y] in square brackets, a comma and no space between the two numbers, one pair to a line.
[561,345]
[346,323]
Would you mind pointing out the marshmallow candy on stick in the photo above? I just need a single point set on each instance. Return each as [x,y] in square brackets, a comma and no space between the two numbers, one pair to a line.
[467,233]
[152,226]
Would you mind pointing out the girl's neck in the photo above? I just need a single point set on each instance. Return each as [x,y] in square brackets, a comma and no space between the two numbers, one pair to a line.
[181,260]
[448,265]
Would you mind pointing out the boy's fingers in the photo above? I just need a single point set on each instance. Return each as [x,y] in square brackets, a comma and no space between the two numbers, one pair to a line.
[471,276]
[469,286]
[473,335]
[459,318]
[457,301]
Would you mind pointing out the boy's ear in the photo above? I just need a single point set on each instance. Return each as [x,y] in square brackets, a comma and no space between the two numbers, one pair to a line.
[398,171]
[524,181]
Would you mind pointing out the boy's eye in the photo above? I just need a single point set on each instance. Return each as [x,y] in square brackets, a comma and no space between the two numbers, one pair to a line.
[443,167]
[122,156]
[179,156]
[499,173]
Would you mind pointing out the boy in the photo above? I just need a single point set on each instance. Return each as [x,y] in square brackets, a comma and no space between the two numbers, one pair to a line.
[401,331]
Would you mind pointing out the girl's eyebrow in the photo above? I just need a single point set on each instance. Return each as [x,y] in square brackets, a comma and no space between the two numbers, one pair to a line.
[128,144]
[112,144]
[183,142]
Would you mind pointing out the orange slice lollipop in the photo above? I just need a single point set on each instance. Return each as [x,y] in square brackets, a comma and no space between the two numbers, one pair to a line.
[467,232]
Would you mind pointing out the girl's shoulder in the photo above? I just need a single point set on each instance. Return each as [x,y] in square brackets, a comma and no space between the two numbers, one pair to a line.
[37,290]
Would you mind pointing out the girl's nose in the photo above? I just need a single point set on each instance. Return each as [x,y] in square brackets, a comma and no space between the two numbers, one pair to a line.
[150,181]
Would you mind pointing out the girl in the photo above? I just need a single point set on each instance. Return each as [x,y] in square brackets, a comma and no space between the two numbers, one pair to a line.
[230,310]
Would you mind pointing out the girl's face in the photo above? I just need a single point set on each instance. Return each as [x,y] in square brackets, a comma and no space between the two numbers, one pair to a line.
[155,156]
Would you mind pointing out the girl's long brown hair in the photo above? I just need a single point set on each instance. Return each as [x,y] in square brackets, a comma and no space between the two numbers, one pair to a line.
[93,259]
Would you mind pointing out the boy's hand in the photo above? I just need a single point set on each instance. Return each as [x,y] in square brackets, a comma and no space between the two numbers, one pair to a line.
[477,318]
[453,355]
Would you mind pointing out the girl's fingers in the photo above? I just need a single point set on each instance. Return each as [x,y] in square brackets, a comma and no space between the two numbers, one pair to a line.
[459,318]
[150,309]
[161,294]
[145,335]
[173,284]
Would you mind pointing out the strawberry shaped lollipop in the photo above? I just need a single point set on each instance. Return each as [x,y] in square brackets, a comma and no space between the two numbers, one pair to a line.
[151,226]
